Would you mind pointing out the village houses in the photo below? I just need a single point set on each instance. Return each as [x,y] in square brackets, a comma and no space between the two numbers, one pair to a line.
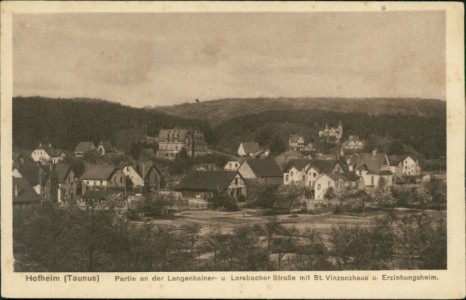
[82,148]
[173,141]
[332,134]
[65,183]
[207,184]
[261,171]
[248,148]
[46,153]
[105,147]
[404,166]
[353,144]
[296,142]
[373,167]
[142,174]
[102,177]
[338,182]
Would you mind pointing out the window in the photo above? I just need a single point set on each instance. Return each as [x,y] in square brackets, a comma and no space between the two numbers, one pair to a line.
[315,174]
[127,169]
[318,186]
[121,179]
[291,173]
[236,181]
[287,177]
[166,154]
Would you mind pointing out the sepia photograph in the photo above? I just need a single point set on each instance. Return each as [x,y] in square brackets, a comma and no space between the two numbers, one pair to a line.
[180,143]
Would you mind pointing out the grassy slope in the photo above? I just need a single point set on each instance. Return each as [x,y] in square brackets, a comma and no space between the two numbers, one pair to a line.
[217,111]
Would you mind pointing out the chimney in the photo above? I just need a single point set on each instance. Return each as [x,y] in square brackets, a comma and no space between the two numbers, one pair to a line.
[40,144]
[350,168]
[50,145]
[374,152]
[16,190]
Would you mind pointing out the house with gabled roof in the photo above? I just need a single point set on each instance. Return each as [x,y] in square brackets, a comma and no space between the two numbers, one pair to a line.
[46,153]
[105,147]
[142,174]
[102,177]
[404,165]
[319,167]
[261,171]
[248,148]
[24,193]
[295,142]
[374,167]
[38,176]
[339,182]
[295,171]
[206,184]
[65,181]
[83,147]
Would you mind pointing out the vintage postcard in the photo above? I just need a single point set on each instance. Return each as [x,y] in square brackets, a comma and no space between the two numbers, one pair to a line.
[232,150]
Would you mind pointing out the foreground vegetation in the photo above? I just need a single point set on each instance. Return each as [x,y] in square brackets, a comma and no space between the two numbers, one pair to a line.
[51,238]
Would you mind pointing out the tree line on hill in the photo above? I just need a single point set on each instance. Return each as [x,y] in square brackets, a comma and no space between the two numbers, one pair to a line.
[65,122]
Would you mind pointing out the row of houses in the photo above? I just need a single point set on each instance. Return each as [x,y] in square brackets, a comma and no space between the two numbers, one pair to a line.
[58,182]
[358,172]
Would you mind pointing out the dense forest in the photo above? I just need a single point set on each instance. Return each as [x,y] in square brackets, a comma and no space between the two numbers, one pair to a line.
[66,122]
[397,134]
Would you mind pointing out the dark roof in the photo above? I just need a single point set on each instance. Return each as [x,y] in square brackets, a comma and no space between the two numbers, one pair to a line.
[291,153]
[250,147]
[98,172]
[173,134]
[144,167]
[61,172]
[30,172]
[23,192]
[324,166]
[372,162]
[299,164]
[264,167]
[207,180]
[84,147]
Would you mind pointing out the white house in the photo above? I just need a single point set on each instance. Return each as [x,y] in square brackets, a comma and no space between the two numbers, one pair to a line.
[44,154]
[131,173]
[320,167]
[373,167]
[295,171]
[339,182]
[353,144]
[232,165]
[404,166]
[102,177]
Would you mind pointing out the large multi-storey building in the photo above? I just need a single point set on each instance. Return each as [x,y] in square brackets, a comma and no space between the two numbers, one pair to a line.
[173,141]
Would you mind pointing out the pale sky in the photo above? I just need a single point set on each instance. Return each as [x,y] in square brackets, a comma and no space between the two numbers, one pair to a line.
[154,59]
